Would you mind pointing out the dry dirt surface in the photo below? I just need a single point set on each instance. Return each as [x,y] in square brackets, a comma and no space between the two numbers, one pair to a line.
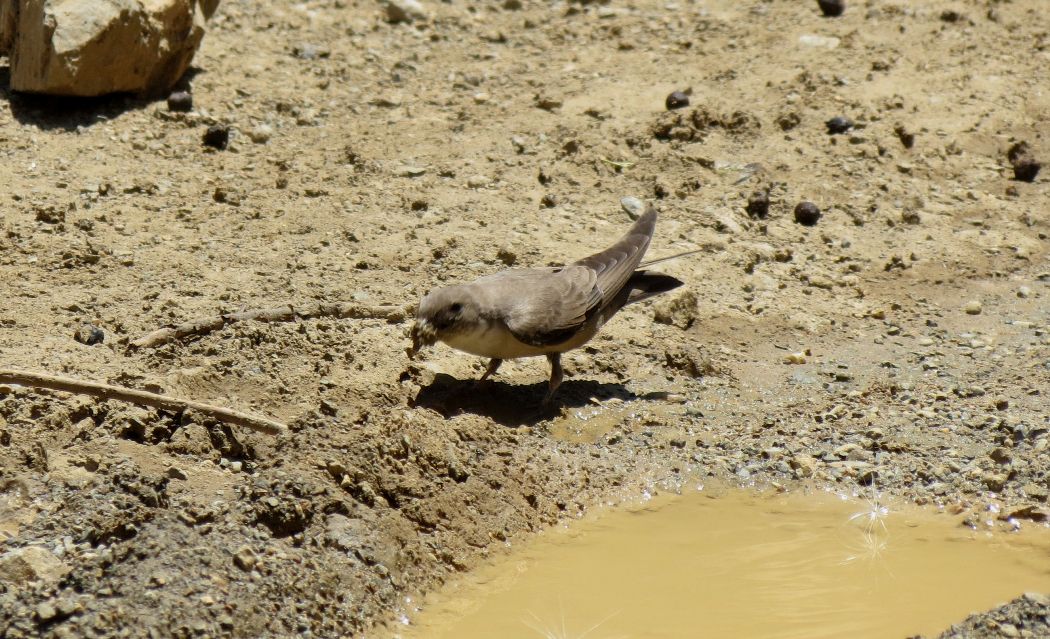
[900,344]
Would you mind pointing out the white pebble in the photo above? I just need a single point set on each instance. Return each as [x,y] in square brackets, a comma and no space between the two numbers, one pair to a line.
[632,206]
[477,181]
[261,134]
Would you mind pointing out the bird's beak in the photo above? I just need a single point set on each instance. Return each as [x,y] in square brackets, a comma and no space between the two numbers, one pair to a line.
[423,334]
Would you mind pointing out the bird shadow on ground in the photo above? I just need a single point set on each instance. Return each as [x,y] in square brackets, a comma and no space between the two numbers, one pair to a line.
[66,113]
[511,405]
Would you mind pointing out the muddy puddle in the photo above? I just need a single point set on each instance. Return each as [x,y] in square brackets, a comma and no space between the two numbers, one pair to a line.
[733,563]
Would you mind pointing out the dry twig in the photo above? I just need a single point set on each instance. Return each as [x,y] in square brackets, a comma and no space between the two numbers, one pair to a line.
[163,402]
[277,314]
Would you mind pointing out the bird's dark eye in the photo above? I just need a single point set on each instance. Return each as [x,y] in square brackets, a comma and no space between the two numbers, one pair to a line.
[456,307]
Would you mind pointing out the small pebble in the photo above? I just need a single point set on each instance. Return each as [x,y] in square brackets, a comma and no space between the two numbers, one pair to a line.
[807,213]
[676,100]
[973,307]
[632,206]
[817,41]
[478,181]
[548,103]
[180,101]
[89,334]
[758,204]
[549,201]
[46,611]
[1024,292]
[309,51]
[245,558]
[261,134]
[50,214]
[410,171]
[839,124]
[217,136]
[386,101]
[832,8]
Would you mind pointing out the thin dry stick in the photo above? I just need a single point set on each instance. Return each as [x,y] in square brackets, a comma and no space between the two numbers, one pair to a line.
[277,314]
[105,391]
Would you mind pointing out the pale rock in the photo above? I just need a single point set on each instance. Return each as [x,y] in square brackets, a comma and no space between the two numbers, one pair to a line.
[818,41]
[632,206]
[478,181]
[762,282]
[245,558]
[795,358]
[410,171]
[803,465]
[32,563]
[261,134]
[95,47]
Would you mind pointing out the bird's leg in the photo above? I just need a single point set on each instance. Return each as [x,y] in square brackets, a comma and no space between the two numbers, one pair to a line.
[491,369]
[556,376]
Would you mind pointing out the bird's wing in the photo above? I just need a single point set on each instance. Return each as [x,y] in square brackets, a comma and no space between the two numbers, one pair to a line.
[542,307]
[614,265]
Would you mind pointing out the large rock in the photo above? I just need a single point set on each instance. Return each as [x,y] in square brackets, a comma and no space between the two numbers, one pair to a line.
[94,47]
[31,563]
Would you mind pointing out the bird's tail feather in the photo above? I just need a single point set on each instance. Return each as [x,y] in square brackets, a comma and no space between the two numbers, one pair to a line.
[645,284]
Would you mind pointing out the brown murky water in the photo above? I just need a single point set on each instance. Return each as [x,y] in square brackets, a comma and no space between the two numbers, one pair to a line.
[741,564]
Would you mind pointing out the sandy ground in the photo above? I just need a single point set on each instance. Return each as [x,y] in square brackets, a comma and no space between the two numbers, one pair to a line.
[903,340]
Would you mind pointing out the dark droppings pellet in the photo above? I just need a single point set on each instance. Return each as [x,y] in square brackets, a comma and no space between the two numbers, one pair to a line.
[807,213]
[839,124]
[832,8]
[180,101]
[676,100]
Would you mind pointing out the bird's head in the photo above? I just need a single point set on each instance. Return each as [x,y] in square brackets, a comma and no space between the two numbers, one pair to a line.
[441,313]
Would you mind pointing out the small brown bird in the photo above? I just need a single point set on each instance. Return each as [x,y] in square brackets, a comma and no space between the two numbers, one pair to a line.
[526,312]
